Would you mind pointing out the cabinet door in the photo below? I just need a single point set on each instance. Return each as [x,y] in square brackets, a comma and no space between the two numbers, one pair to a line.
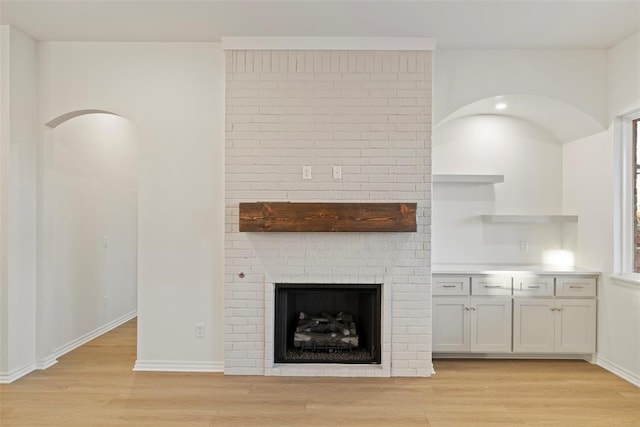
[451,324]
[490,324]
[533,325]
[575,326]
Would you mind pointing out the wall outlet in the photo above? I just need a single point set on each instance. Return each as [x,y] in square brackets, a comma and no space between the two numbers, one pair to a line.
[524,246]
[337,172]
[306,172]
[199,330]
[105,241]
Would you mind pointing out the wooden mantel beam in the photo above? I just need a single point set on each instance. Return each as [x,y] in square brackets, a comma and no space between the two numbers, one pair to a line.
[327,217]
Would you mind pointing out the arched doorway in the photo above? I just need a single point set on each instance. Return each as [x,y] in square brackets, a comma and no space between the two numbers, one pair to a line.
[89,197]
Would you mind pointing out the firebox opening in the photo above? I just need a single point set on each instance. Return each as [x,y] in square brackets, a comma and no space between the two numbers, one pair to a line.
[327,323]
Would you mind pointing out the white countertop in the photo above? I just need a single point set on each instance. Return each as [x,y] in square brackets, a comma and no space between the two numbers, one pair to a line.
[509,269]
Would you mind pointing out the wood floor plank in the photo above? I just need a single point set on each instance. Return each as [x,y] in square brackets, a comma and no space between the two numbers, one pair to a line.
[95,385]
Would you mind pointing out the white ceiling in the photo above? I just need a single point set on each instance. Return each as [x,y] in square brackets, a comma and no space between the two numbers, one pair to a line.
[453,23]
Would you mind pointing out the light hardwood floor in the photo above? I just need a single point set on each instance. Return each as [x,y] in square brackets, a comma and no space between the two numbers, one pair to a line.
[94,385]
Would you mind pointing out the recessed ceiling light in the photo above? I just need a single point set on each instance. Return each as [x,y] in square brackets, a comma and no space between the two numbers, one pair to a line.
[501,105]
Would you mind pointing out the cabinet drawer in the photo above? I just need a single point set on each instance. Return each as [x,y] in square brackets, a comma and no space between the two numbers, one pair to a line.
[575,286]
[491,285]
[451,285]
[533,286]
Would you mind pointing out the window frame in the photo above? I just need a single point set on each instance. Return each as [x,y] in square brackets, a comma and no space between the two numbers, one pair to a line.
[634,164]
[624,195]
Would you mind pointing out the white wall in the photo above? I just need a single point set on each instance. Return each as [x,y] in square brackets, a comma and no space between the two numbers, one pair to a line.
[623,77]
[18,195]
[590,174]
[588,190]
[530,160]
[576,76]
[173,93]
[95,195]
[5,135]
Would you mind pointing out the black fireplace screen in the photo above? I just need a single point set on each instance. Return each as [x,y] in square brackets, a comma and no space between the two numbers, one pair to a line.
[327,323]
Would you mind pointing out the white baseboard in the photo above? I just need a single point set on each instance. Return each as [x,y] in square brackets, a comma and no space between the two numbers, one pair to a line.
[11,376]
[177,366]
[62,350]
[46,363]
[619,371]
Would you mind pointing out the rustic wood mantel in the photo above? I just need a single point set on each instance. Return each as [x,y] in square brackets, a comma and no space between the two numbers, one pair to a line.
[327,217]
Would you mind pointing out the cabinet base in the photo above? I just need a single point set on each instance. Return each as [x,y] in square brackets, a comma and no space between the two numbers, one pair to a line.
[591,358]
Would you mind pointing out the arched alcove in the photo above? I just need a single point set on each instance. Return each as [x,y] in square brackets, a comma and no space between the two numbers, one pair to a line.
[524,144]
[561,119]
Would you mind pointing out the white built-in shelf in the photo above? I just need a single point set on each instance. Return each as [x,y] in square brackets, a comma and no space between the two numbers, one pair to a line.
[468,179]
[529,218]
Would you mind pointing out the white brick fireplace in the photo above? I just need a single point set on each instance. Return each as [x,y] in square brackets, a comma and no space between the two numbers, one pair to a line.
[367,111]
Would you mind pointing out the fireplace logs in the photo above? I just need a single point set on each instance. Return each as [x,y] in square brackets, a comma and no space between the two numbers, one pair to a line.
[326,332]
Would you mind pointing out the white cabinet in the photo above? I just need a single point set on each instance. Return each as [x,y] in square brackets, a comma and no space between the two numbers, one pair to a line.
[546,315]
[470,323]
[490,324]
[477,324]
[564,324]
[451,324]
[533,325]
[554,325]
[575,330]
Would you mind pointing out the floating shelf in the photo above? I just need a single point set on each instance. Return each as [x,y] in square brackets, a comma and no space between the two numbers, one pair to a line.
[327,217]
[468,179]
[529,218]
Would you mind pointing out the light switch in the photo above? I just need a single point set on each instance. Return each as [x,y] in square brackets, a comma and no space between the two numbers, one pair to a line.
[306,172]
[337,172]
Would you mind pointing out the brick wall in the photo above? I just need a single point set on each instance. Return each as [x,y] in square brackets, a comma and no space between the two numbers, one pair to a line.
[368,112]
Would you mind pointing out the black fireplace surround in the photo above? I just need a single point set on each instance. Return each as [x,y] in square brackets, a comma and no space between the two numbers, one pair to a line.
[362,301]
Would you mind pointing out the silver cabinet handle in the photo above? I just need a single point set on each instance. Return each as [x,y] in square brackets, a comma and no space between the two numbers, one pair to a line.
[448,286]
[533,286]
[492,286]
[576,287]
